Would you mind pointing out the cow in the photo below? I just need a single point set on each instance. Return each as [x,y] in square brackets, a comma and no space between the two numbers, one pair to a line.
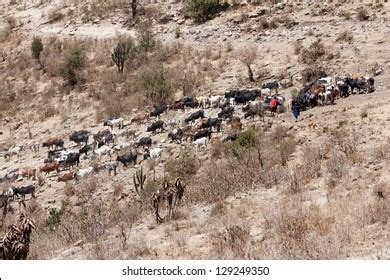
[226,112]
[201,142]
[85,149]
[158,125]
[29,173]
[144,141]
[22,191]
[189,102]
[158,111]
[82,173]
[271,85]
[176,135]
[72,159]
[140,118]
[245,96]
[110,137]
[114,122]
[66,177]
[49,167]
[194,116]
[212,122]
[111,166]
[178,105]
[155,153]
[102,151]
[55,142]
[202,133]
[127,158]
[81,136]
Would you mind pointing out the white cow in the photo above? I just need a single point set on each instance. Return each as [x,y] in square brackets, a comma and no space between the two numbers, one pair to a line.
[82,173]
[201,142]
[102,151]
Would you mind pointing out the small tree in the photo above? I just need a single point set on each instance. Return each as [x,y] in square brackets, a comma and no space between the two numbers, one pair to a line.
[247,57]
[37,48]
[145,36]
[121,53]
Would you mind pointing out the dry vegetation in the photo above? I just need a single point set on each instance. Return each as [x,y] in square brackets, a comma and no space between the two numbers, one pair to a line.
[280,191]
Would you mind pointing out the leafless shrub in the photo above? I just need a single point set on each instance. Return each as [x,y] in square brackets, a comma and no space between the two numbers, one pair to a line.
[233,242]
[311,73]
[345,36]
[247,57]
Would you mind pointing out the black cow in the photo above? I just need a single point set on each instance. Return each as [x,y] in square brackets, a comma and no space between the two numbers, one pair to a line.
[22,191]
[81,136]
[355,84]
[230,138]
[189,102]
[155,126]
[85,149]
[144,141]
[245,96]
[226,112]
[272,85]
[158,111]
[126,159]
[203,133]
[194,116]
[212,122]
[72,159]
[105,139]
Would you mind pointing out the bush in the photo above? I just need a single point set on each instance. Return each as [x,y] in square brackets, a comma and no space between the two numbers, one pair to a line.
[185,166]
[75,61]
[154,80]
[345,36]
[362,15]
[121,53]
[201,10]
[36,48]
[310,74]
[55,16]
[315,52]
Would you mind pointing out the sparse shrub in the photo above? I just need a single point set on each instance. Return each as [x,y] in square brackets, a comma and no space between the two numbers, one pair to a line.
[201,10]
[155,83]
[364,113]
[134,6]
[314,52]
[146,39]
[37,48]
[54,219]
[233,241]
[312,73]
[345,36]
[54,16]
[75,61]
[362,14]
[11,22]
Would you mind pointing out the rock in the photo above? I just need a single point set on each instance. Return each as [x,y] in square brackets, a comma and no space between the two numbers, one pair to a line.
[378,72]
[181,21]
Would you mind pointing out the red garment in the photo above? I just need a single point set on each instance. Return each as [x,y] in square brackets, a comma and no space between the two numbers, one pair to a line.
[274,103]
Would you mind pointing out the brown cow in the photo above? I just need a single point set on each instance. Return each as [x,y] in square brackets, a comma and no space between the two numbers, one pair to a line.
[66,177]
[140,118]
[55,141]
[29,173]
[49,167]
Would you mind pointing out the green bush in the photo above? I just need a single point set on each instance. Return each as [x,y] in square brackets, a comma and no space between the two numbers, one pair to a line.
[75,61]
[154,80]
[201,10]
[36,48]
[185,166]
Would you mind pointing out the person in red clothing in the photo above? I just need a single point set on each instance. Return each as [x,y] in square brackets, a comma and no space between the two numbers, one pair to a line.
[274,104]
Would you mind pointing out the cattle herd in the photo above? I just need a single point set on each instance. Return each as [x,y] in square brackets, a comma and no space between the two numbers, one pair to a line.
[211,118]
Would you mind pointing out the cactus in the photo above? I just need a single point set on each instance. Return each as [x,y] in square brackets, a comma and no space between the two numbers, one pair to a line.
[139,179]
